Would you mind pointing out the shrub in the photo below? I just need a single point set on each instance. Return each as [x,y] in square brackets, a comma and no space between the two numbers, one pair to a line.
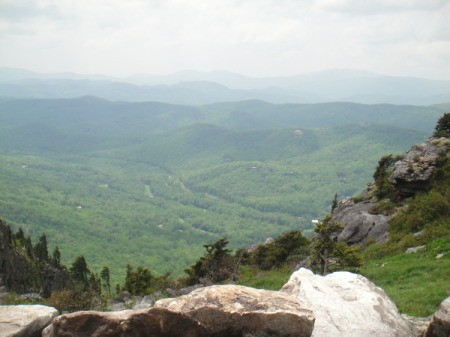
[381,176]
[443,126]
[70,300]
[385,207]
[423,209]
[290,246]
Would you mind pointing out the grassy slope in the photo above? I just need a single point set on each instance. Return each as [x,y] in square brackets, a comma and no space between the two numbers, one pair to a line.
[417,283]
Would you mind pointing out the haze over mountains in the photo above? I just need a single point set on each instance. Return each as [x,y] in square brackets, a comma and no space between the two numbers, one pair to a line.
[197,88]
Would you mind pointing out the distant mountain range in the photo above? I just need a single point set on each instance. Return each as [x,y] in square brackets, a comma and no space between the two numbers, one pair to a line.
[94,117]
[198,88]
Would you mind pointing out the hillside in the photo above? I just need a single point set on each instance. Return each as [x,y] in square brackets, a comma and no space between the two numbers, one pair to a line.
[91,116]
[132,203]
[122,182]
[401,226]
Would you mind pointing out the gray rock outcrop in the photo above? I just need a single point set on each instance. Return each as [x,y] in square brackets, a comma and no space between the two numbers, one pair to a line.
[25,320]
[230,310]
[413,173]
[440,323]
[154,322]
[360,225]
[347,305]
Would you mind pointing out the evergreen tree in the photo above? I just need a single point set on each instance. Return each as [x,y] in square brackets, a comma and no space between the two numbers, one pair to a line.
[20,236]
[40,249]
[56,260]
[334,203]
[138,282]
[28,246]
[327,252]
[443,126]
[80,271]
[105,276]
[216,265]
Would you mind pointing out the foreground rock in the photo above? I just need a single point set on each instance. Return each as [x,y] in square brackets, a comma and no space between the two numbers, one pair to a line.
[360,225]
[347,305]
[155,322]
[232,311]
[25,320]
[440,323]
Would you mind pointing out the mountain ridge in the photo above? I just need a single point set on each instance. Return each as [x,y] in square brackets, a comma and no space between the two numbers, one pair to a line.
[325,86]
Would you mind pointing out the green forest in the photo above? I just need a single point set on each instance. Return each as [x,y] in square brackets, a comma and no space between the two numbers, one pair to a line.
[149,184]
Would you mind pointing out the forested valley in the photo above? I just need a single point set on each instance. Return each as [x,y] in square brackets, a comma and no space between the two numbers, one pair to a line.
[150,183]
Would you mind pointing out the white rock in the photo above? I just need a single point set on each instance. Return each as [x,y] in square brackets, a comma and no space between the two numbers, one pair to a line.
[417,249]
[347,305]
[25,320]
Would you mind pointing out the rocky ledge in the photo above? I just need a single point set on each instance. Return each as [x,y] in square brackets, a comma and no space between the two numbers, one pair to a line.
[215,311]
[413,173]
[360,225]
[341,304]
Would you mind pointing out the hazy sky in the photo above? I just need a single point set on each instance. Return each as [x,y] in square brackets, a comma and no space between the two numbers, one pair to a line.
[252,37]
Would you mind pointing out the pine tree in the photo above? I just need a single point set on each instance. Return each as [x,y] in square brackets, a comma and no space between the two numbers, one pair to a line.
[327,252]
[56,257]
[216,265]
[40,249]
[335,203]
[443,126]
[105,276]
[80,271]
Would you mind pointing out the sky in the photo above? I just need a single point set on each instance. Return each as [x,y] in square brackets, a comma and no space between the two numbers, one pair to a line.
[252,37]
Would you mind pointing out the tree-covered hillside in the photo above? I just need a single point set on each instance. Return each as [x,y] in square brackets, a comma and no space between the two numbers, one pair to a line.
[121,186]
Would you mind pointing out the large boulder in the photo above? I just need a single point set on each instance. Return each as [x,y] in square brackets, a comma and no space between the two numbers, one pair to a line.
[235,311]
[440,323]
[154,322]
[360,225]
[347,305]
[25,320]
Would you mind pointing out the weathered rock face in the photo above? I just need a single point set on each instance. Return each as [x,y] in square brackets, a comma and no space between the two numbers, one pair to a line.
[232,311]
[413,173]
[440,323]
[25,320]
[360,225]
[347,305]
[154,322]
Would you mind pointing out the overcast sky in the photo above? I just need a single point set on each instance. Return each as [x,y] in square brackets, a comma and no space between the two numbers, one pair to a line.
[252,37]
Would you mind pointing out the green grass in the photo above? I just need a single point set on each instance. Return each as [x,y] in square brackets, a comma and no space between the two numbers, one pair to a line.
[417,283]
[271,280]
